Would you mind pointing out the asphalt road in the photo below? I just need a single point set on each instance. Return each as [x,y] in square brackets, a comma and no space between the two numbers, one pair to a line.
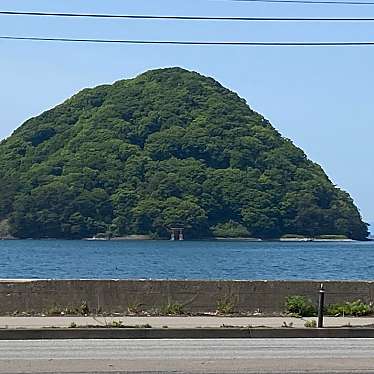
[189,356]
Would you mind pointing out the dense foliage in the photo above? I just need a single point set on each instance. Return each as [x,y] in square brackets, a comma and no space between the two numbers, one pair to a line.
[354,308]
[300,306]
[170,147]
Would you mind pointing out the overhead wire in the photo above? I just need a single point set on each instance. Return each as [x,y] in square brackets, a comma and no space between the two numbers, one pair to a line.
[194,18]
[192,43]
[189,18]
[311,2]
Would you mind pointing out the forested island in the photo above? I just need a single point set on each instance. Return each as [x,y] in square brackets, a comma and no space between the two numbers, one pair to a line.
[168,148]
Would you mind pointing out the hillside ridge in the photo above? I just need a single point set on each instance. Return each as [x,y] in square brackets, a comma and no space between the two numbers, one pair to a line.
[169,147]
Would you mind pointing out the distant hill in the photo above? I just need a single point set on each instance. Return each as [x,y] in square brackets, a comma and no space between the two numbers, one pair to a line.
[170,147]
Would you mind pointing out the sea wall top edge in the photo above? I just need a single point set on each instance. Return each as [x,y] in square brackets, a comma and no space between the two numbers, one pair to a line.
[21,280]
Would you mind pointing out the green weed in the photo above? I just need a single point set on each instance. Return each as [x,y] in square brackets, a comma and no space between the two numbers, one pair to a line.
[355,308]
[311,324]
[174,309]
[225,306]
[134,308]
[300,306]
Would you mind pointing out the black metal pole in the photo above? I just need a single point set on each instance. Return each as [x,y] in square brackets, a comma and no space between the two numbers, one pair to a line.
[321,306]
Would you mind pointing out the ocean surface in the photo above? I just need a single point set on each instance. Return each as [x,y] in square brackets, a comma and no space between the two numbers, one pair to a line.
[55,259]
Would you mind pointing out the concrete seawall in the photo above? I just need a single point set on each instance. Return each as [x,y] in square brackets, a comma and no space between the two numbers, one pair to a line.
[113,296]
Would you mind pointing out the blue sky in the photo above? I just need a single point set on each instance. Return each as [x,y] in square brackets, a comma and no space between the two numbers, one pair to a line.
[321,98]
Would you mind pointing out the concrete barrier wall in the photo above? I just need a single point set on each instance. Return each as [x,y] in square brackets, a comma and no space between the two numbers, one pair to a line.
[112,296]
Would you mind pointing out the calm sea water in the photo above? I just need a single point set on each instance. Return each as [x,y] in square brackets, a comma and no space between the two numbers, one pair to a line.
[185,260]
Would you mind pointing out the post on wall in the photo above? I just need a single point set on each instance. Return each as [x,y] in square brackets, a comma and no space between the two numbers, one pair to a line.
[321,305]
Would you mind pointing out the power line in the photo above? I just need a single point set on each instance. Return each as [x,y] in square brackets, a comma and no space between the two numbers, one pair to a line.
[188,18]
[328,2]
[192,43]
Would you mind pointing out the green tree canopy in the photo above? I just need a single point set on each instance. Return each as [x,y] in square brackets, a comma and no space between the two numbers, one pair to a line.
[170,147]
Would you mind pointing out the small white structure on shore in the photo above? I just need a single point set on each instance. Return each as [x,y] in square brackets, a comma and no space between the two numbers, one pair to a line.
[177,233]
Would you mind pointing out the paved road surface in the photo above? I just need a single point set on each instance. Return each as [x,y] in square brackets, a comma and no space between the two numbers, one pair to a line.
[189,356]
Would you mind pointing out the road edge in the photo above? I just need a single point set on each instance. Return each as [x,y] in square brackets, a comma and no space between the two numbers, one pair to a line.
[183,333]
